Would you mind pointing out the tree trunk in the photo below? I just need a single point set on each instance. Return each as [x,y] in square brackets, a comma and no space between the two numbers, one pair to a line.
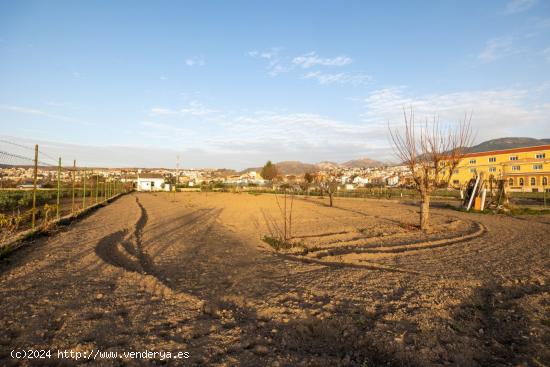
[330,198]
[424,212]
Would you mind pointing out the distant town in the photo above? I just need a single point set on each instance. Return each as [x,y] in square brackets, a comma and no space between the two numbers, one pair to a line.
[521,164]
[163,178]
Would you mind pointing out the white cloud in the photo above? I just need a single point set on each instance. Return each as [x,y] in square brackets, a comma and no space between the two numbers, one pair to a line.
[526,41]
[312,59]
[193,108]
[518,6]
[195,61]
[339,78]
[497,48]
[275,65]
[248,138]
[496,113]
[278,64]
[32,111]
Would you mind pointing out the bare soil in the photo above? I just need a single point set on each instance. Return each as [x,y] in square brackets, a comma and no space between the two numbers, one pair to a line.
[362,287]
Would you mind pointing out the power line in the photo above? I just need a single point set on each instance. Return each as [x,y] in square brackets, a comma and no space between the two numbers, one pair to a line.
[28,148]
[12,156]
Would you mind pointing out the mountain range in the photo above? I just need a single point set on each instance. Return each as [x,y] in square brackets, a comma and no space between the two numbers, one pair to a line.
[298,168]
[507,143]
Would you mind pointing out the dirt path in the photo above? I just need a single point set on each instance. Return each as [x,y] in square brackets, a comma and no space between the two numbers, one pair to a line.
[150,273]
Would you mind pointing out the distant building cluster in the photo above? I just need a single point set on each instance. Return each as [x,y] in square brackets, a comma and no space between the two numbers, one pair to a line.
[522,169]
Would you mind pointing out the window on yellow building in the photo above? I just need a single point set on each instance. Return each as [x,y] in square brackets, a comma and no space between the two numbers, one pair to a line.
[513,157]
[472,170]
[472,161]
[544,181]
[455,171]
[516,168]
[537,166]
[540,155]
[533,181]
[511,182]
[521,181]
[492,159]
[492,169]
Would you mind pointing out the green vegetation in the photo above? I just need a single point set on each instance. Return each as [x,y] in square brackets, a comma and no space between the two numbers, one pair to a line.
[11,200]
[279,243]
[269,171]
[5,251]
[527,211]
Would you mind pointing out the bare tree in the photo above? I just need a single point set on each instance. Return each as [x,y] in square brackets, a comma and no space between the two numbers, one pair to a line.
[281,232]
[329,183]
[431,153]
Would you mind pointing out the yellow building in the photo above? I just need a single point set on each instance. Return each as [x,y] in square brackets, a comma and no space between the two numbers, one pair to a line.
[523,169]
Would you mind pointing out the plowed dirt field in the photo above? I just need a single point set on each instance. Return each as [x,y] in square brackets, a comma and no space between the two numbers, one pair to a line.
[364,287]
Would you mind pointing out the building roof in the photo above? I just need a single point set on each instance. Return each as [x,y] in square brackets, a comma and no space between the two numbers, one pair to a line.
[509,151]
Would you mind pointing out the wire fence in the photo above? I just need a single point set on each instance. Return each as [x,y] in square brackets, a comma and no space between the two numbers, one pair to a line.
[37,189]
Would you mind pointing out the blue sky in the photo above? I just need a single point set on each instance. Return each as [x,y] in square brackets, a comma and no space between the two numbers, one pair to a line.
[232,84]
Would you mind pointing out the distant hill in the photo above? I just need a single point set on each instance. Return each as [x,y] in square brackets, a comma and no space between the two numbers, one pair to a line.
[299,168]
[507,143]
[327,165]
[362,162]
[295,167]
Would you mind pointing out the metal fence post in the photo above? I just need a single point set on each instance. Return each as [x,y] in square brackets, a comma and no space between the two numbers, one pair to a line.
[34,186]
[84,189]
[74,178]
[58,188]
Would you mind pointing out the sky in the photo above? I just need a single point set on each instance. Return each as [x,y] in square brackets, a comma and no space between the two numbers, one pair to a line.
[235,83]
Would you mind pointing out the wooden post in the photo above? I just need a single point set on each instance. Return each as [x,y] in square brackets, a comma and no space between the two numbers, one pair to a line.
[96,187]
[34,185]
[58,211]
[74,178]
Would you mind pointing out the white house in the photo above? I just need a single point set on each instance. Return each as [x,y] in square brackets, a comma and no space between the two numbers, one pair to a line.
[392,180]
[361,181]
[150,182]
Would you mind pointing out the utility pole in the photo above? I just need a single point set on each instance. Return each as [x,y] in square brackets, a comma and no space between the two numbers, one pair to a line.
[74,178]
[177,175]
[58,214]
[34,185]
[84,191]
